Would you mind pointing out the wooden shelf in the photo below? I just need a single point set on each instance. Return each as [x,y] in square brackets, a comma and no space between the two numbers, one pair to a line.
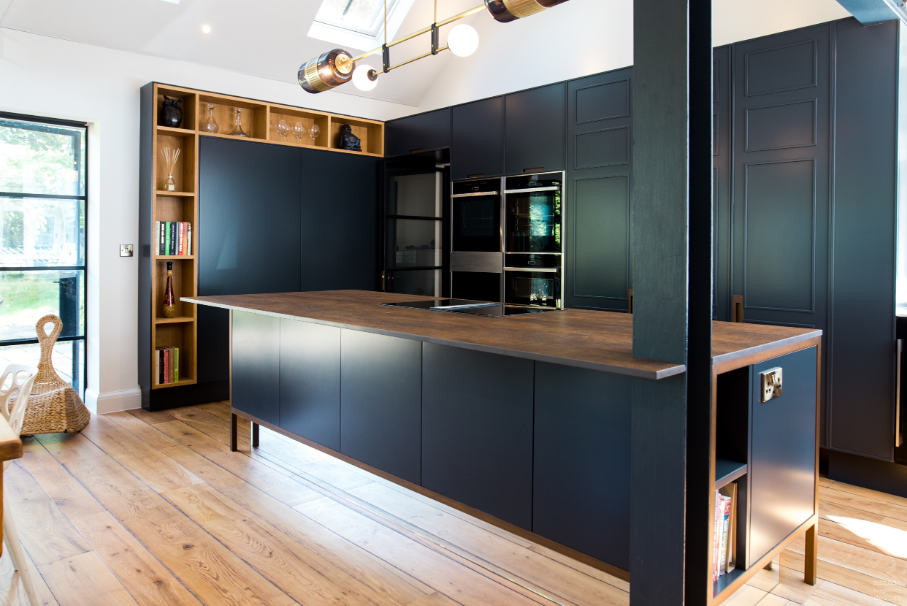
[725,582]
[177,132]
[179,383]
[727,472]
[175,194]
[177,320]
[174,257]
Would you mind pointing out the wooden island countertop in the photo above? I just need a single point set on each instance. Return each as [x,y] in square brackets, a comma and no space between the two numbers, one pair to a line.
[595,340]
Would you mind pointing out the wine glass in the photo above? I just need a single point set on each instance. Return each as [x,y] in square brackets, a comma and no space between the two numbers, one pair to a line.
[282,129]
[314,132]
[299,131]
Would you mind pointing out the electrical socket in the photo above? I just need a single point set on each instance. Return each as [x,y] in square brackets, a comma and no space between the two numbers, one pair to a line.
[125,250]
[771,383]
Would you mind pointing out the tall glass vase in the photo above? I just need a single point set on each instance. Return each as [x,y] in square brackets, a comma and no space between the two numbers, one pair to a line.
[237,128]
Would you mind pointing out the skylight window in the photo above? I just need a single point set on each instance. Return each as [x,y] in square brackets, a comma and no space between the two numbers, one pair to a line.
[358,24]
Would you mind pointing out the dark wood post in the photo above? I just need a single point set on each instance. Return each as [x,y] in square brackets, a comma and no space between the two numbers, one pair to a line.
[672,288]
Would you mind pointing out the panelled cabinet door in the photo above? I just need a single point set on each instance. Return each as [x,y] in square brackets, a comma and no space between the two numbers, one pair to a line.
[599,128]
[477,139]
[413,134]
[535,129]
[781,178]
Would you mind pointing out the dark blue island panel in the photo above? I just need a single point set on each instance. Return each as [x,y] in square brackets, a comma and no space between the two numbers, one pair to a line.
[310,381]
[256,365]
[381,402]
[477,430]
[581,496]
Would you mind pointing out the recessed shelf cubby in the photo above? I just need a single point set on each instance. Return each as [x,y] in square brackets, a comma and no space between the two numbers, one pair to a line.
[254,117]
[307,118]
[371,134]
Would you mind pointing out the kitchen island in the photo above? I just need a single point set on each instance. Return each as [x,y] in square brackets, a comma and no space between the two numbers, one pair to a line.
[523,420]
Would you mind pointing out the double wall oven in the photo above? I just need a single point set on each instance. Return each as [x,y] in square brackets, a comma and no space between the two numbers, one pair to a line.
[507,239]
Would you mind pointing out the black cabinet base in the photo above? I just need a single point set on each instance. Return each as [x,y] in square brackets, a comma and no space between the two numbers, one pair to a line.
[190,395]
[242,417]
[873,474]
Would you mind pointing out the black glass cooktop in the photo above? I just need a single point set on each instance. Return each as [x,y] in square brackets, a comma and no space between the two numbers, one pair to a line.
[473,308]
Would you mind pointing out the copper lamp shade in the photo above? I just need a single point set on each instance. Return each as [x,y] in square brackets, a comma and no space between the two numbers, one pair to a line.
[511,10]
[327,71]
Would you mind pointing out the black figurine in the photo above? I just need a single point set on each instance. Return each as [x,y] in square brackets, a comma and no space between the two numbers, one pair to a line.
[348,140]
[172,112]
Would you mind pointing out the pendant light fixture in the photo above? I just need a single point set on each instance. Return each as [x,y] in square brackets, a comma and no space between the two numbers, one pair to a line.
[338,66]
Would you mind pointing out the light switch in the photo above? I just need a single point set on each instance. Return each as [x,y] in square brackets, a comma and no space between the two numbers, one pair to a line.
[771,384]
[125,250]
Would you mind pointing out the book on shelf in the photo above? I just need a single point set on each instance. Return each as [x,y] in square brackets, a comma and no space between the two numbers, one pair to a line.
[167,365]
[174,238]
[725,535]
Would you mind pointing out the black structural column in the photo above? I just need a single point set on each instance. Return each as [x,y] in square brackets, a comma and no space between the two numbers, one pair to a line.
[672,282]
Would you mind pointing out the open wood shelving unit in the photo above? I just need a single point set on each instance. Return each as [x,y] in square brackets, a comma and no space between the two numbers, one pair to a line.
[259,122]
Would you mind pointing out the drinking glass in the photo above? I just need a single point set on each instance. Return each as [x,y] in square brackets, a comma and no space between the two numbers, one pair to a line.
[299,131]
[282,129]
[314,132]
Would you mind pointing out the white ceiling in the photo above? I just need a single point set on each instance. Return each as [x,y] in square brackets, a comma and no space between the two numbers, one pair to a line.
[267,38]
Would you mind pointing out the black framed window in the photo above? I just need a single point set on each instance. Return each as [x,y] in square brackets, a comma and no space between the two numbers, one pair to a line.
[43,240]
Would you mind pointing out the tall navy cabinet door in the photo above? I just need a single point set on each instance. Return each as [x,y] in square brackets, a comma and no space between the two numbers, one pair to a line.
[339,221]
[582,461]
[781,177]
[535,129]
[599,127]
[422,132]
[477,430]
[256,365]
[477,139]
[310,381]
[380,402]
[782,465]
[863,348]
[243,187]
[721,170]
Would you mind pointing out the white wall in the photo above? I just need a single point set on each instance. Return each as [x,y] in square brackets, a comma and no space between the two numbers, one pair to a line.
[49,77]
[581,38]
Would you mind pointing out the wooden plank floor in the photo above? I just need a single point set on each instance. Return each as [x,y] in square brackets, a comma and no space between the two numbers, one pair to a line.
[152,508]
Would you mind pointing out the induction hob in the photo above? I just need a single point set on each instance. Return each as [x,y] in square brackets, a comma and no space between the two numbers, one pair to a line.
[473,308]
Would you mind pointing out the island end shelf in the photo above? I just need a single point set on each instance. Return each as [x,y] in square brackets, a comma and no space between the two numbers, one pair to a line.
[565,374]
[156,203]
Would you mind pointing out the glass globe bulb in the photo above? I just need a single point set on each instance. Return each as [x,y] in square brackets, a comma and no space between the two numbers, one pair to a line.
[361,79]
[463,40]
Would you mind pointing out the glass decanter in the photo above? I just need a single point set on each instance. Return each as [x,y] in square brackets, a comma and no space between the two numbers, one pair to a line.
[210,126]
[237,128]
[169,299]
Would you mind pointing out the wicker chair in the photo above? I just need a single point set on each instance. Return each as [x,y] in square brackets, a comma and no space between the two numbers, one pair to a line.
[53,406]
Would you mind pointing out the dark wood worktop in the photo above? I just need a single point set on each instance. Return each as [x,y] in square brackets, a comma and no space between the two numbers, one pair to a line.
[576,337]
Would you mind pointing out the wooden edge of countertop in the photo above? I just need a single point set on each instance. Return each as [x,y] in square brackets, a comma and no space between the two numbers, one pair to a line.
[760,353]
[10,443]
[668,371]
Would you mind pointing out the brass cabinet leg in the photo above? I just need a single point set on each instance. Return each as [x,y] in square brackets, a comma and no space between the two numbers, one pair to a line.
[233,419]
[254,435]
[812,554]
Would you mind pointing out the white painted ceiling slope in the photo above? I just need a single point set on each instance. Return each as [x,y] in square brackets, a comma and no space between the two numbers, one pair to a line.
[267,38]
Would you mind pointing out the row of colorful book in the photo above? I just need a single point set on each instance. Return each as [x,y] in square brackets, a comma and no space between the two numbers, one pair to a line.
[725,535]
[173,237]
[167,365]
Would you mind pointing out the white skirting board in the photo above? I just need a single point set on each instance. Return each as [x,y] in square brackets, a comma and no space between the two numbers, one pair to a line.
[113,401]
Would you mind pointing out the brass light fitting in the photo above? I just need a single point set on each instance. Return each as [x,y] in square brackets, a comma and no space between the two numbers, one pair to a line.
[336,67]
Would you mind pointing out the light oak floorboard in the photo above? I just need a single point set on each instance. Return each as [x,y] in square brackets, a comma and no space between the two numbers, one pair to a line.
[84,580]
[12,591]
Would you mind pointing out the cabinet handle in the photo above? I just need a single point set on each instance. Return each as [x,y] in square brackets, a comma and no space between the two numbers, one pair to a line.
[898,436]
[738,309]
[537,169]
[476,175]
[630,301]
[416,151]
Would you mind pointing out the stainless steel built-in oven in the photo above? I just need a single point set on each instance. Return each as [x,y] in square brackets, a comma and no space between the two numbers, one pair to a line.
[533,239]
[476,257]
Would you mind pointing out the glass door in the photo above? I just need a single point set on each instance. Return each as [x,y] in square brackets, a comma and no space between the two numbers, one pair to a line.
[43,200]
[414,259]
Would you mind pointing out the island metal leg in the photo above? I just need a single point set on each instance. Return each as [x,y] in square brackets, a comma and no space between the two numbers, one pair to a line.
[233,419]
